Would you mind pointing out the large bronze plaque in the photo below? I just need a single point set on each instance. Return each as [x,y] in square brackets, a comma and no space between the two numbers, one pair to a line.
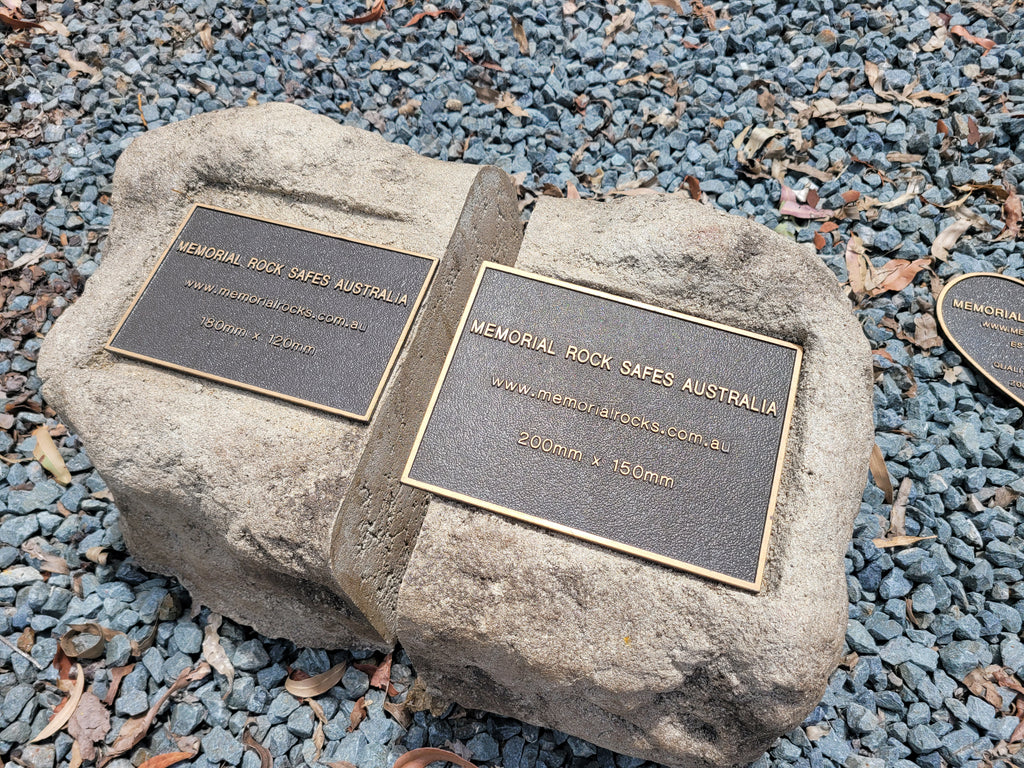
[309,317]
[982,314]
[630,426]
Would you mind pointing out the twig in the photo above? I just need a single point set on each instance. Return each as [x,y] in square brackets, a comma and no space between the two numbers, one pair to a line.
[18,650]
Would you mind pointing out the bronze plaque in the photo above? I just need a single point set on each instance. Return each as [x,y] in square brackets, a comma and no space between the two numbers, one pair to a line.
[309,317]
[982,314]
[623,424]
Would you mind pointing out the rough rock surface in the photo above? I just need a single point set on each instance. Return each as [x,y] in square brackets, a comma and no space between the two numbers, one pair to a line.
[644,660]
[248,500]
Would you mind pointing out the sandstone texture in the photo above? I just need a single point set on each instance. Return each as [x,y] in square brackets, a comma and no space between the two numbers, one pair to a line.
[250,501]
[636,657]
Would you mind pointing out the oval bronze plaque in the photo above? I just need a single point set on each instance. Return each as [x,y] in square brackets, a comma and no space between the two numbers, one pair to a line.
[982,315]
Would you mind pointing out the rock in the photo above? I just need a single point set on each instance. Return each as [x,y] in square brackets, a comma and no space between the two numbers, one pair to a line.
[219,746]
[503,616]
[285,518]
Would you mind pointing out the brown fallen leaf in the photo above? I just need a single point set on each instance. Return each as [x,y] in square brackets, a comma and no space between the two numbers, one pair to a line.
[986,44]
[358,715]
[381,677]
[898,513]
[15,22]
[948,237]
[390,65]
[619,23]
[86,641]
[973,134]
[980,682]
[249,742]
[341,764]
[424,756]
[897,274]
[167,759]
[1012,214]
[205,35]
[899,541]
[135,729]
[675,5]
[26,640]
[67,708]
[214,652]
[790,205]
[1007,680]
[376,12]
[880,472]
[47,454]
[79,67]
[117,674]
[89,725]
[519,33]
[97,555]
[936,41]
[400,712]
[417,18]
[693,185]
[508,102]
[48,561]
[314,686]
[926,334]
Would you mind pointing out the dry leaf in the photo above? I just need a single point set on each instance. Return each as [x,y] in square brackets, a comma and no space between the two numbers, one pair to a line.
[89,725]
[675,5]
[167,759]
[897,274]
[54,27]
[97,555]
[979,682]
[117,674]
[205,35]
[358,715]
[417,18]
[618,23]
[947,239]
[95,637]
[341,764]
[135,729]
[702,11]
[79,67]
[26,640]
[986,44]
[571,193]
[46,453]
[898,513]
[424,756]
[377,11]
[214,653]
[67,708]
[18,23]
[316,685]
[390,65]
[249,742]
[520,35]
[693,185]
[936,41]
[381,678]
[1012,214]
[926,334]
[790,206]
[880,472]
[508,102]
[48,561]
[899,541]
[400,712]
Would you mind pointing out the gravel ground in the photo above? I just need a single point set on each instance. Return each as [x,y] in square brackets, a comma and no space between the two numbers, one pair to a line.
[905,120]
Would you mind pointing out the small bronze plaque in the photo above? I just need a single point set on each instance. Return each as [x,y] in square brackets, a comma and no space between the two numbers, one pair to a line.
[630,426]
[309,317]
[982,314]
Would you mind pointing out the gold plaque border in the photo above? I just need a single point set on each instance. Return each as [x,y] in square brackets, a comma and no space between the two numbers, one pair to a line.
[952,338]
[434,260]
[753,586]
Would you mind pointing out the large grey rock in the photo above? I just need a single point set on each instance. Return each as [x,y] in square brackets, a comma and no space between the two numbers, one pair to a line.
[644,660]
[283,517]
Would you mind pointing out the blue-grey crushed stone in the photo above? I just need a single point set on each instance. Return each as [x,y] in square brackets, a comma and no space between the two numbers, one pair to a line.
[901,700]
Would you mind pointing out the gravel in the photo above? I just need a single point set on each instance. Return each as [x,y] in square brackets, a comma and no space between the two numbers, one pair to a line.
[666,97]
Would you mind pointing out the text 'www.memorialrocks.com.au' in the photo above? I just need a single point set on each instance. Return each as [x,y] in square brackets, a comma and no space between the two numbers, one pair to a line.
[616,416]
[273,304]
